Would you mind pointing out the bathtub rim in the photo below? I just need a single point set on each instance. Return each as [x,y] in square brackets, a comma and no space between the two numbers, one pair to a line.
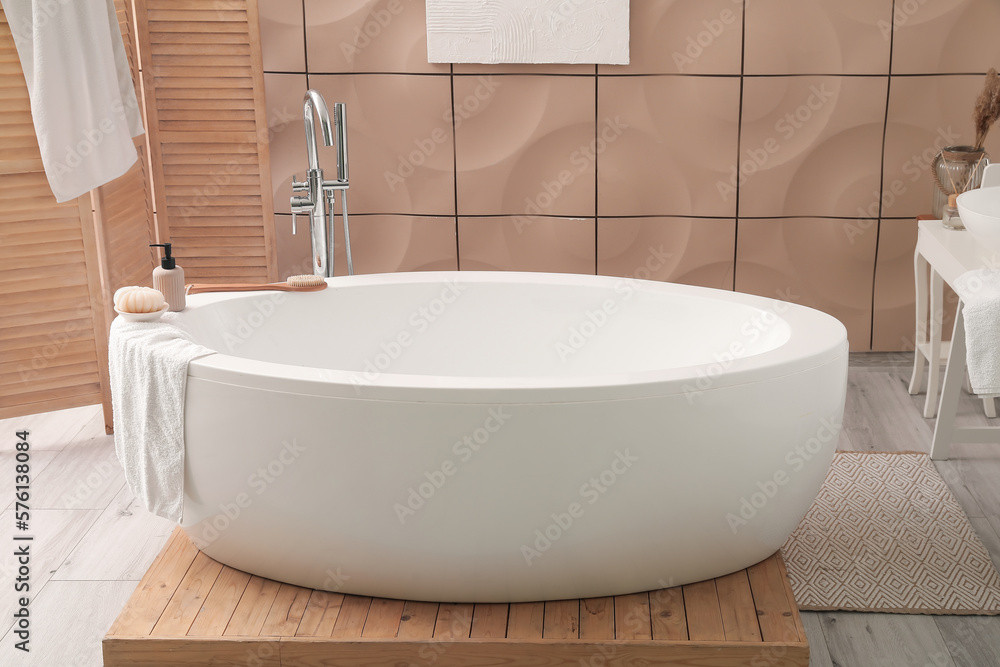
[815,339]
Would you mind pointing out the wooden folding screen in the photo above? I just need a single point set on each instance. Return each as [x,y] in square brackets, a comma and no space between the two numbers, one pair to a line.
[203,93]
[204,88]
[53,329]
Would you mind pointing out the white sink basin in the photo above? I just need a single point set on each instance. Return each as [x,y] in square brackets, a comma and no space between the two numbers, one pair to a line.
[980,212]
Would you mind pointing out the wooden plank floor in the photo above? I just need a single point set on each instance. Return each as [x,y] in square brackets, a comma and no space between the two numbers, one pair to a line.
[191,610]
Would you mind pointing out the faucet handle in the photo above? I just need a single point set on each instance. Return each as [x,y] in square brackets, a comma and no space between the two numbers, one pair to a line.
[299,205]
[299,185]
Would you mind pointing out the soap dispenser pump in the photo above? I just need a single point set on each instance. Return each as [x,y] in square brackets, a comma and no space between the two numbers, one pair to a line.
[168,278]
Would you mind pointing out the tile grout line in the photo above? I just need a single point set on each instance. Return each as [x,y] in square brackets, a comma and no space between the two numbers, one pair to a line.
[702,75]
[881,176]
[597,164]
[683,216]
[305,44]
[454,166]
[739,139]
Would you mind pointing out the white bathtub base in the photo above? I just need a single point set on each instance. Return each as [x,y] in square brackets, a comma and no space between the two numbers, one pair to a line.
[662,498]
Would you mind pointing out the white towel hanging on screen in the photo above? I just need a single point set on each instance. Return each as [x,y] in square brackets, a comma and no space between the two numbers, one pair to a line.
[83,104]
[528,31]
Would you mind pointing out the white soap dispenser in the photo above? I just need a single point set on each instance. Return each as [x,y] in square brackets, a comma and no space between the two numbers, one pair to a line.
[168,278]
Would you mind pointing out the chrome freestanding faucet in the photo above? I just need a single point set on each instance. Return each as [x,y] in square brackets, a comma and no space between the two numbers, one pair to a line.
[318,200]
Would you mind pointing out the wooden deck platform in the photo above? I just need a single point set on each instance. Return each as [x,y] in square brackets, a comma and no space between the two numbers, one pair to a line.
[192,610]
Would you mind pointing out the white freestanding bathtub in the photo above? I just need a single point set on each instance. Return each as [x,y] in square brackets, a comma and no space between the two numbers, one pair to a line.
[505,436]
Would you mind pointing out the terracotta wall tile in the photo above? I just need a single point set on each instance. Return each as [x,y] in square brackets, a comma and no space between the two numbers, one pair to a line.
[677,37]
[523,145]
[894,323]
[811,146]
[527,243]
[895,316]
[379,244]
[648,145]
[389,243]
[400,142]
[286,133]
[678,144]
[818,37]
[281,29]
[693,251]
[926,113]
[945,36]
[810,261]
[293,250]
[368,36]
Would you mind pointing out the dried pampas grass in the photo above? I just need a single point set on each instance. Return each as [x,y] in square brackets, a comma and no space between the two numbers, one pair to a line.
[987,109]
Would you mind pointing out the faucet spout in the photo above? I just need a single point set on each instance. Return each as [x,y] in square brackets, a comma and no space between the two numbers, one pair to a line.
[313,104]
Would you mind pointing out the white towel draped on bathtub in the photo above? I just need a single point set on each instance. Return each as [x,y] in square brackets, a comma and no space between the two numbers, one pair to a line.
[148,363]
[83,104]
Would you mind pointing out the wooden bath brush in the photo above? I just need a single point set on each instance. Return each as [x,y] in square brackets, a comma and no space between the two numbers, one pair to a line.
[292,284]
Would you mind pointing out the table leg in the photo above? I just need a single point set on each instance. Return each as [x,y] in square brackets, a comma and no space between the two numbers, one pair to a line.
[953,376]
[920,331]
[934,355]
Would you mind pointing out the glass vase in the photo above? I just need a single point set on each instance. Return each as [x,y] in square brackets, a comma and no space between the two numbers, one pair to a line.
[955,170]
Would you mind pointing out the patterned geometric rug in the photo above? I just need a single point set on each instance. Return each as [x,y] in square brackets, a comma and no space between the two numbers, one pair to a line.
[885,534]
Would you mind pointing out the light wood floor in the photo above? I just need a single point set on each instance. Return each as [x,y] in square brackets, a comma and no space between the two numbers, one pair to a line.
[94,543]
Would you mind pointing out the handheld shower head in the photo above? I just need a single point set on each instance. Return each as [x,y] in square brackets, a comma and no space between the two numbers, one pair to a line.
[340,129]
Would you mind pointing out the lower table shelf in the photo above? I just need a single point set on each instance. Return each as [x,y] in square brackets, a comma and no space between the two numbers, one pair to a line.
[192,610]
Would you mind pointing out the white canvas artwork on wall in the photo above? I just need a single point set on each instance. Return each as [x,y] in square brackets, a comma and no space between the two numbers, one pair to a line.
[528,31]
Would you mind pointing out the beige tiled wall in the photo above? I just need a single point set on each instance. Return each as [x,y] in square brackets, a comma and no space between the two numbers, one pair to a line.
[783,153]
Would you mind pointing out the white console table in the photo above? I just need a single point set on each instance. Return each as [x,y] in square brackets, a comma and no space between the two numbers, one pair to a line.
[949,254]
